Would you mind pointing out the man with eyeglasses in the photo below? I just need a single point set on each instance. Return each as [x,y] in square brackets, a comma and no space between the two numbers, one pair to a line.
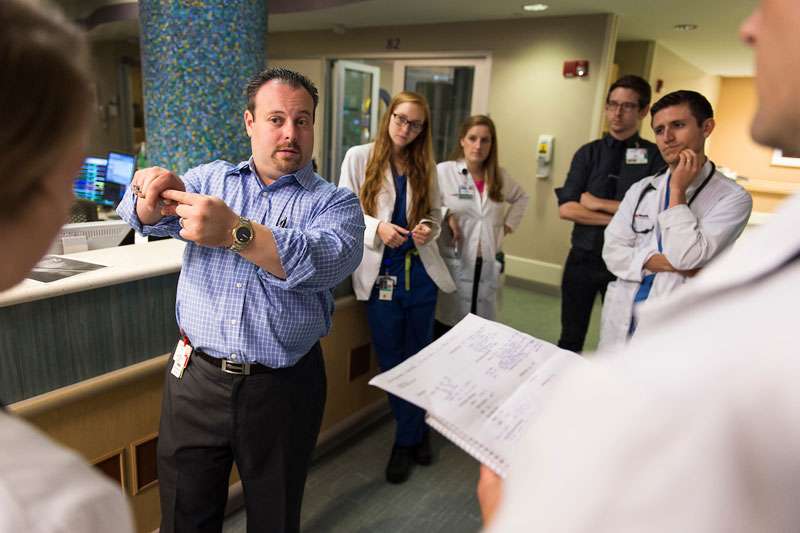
[600,174]
[670,225]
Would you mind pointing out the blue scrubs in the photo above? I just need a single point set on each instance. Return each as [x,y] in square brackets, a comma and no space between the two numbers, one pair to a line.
[402,326]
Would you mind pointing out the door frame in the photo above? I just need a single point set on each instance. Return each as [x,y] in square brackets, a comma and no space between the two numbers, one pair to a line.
[337,101]
[452,57]
[480,83]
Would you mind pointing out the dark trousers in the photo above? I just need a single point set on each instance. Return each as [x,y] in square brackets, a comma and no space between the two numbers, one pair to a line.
[401,327]
[440,329]
[473,308]
[585,275]
[267,423]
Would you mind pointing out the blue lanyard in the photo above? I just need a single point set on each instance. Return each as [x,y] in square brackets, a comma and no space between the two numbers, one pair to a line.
[647,282]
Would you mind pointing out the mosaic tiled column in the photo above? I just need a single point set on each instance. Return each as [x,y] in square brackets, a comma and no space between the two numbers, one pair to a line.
[197,56]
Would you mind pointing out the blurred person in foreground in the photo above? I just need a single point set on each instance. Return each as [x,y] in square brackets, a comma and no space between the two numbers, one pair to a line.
[45,116]
[694,426]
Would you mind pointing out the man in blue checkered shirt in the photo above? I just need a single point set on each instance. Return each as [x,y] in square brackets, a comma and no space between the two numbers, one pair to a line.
[267,241]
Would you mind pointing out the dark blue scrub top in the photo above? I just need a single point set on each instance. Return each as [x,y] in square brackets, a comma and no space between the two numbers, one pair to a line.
[394,258]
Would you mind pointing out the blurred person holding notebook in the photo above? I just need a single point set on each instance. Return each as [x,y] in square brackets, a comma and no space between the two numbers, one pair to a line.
[46,114]
[695,425]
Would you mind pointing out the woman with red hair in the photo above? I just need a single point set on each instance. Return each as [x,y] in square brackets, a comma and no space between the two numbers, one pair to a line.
[402,271]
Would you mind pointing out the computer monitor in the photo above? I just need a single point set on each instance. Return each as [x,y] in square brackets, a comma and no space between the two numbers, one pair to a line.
[120,168]
[90,183]
[104,180]
[119,172]
[84,236]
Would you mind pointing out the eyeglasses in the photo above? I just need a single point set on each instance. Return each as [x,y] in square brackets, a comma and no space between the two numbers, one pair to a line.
[627,107]
[413,125]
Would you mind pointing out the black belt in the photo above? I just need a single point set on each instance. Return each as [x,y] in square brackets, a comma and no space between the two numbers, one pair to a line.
[232,367]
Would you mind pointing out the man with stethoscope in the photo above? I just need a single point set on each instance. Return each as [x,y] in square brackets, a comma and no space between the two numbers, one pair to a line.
[672,224]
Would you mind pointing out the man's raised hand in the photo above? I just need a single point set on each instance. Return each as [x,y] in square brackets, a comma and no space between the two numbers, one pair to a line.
[205,220]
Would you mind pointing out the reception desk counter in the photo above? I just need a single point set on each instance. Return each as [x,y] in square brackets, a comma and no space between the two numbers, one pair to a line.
[84,357]
[123,264]
[62,332]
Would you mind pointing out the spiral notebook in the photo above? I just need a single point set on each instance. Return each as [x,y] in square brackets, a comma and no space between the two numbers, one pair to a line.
[481,384]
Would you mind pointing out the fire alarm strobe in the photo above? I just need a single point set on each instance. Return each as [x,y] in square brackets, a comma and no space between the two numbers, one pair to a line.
[578,68]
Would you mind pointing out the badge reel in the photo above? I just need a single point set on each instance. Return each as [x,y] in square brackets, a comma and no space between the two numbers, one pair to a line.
[180,359]
[636,156]
[386,285]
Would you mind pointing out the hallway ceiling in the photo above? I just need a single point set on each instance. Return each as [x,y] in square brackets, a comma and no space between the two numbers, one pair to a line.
[714,46]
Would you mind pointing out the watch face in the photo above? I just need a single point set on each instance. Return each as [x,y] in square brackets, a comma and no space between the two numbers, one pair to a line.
[243,234]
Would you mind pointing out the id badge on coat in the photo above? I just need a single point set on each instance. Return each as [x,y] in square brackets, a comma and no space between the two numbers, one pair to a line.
[465,192]
[636,156]
[386,285]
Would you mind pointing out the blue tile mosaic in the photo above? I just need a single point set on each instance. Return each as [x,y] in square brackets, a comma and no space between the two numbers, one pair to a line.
[197,56]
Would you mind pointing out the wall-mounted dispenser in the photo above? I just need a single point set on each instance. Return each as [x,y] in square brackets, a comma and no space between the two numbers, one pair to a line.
[544,156]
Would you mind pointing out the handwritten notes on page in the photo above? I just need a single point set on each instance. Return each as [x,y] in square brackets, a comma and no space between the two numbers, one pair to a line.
[481,385]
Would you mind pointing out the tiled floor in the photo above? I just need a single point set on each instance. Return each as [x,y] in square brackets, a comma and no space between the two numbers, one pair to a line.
[539,314]
[346,491]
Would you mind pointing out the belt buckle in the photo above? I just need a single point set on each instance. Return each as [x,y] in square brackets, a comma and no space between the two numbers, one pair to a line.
[240,369]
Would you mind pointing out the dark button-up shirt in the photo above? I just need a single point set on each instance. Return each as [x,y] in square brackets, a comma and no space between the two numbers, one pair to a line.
[599,168]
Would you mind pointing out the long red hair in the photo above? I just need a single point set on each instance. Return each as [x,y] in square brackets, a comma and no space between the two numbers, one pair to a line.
[419,167]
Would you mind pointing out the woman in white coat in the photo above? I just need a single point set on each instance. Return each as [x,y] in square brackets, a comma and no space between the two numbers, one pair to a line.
[401,272]
[481,204]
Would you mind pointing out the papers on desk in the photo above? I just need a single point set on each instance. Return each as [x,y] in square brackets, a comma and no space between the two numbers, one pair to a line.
[482,383]
[54,268]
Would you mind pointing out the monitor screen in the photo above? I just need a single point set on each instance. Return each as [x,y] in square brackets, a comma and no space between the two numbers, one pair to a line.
[120,168]
[104,180]
[118,175]
[90,183]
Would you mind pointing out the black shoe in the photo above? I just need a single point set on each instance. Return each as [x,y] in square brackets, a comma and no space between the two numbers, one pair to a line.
[422,451]
[399,466]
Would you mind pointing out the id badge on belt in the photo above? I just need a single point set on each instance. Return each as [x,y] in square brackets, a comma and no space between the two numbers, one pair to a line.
[386,285]
[636,156]
[180,359]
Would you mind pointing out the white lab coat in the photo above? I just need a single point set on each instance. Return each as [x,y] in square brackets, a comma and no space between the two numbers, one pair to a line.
[45,488]
[481,221]
[354,168]
[694,425]
[691,237]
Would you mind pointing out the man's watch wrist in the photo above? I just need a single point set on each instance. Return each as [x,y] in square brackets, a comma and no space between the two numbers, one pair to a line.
[243,234]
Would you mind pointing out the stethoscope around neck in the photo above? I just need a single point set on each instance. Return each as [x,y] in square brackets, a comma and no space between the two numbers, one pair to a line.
[651,187]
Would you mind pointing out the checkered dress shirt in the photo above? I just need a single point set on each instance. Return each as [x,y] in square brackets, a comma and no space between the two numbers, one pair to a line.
[231,308]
